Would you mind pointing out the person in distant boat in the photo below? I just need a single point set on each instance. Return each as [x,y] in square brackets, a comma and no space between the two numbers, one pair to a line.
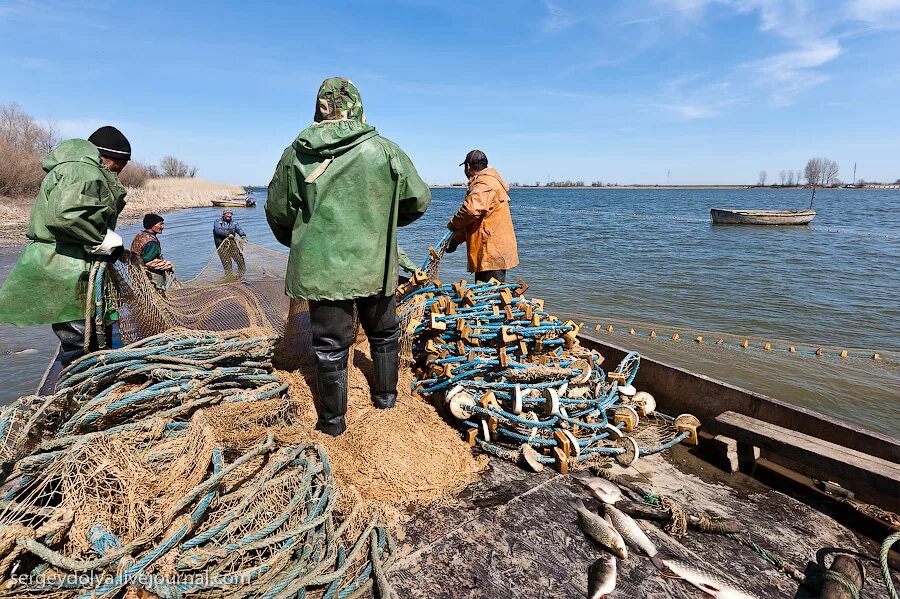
[228,228]
[72,226]
[484,222]
[337,197]
[146,245]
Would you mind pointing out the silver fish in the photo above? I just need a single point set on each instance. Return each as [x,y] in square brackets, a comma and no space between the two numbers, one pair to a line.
[708,582]
[602,577]
[630,531]
[604,490]
[598,529]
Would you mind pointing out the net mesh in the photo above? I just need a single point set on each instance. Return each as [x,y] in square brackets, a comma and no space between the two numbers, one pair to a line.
[388,459]
[241,286]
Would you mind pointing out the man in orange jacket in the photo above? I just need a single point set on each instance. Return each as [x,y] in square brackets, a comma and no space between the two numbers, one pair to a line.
[484,222]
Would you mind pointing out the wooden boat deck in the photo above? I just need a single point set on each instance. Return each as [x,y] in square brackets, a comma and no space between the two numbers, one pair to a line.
[513,534]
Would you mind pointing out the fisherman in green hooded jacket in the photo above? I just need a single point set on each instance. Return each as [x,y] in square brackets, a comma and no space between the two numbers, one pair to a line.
[72,225]
[337,197]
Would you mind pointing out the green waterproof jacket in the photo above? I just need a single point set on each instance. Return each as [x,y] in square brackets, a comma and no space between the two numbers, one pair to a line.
[337,197]
[79,201]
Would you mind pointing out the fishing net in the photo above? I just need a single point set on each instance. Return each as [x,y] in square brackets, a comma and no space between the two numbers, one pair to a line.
[177,464]
[517,379]
[242,286]
[179,514]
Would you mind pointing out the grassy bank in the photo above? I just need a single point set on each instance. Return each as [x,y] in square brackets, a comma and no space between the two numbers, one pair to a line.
[157,195]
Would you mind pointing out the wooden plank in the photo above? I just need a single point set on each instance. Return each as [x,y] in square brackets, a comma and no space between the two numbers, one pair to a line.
[681,391]
[515,535]
[842,462]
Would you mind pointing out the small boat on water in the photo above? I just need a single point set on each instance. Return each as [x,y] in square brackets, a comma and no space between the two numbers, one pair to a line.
[235,203]
[722,216]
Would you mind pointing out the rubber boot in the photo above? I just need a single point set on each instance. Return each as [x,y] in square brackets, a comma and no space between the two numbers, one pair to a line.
[332,401]
[386,358]
[71,340]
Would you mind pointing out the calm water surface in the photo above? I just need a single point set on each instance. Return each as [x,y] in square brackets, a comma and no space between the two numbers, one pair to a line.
[652,257]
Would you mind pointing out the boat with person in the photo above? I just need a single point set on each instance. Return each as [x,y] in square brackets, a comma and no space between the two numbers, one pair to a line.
[722,216]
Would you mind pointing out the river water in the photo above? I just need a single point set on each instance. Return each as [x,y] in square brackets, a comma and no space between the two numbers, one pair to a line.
[651,259]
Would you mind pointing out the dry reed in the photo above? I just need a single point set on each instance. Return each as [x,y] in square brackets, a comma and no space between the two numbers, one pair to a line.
[156,195]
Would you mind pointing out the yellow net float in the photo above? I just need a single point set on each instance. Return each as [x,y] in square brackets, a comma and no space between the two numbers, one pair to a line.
[627,415]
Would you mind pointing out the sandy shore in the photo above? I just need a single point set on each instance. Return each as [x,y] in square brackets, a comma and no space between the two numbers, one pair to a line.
[158,195]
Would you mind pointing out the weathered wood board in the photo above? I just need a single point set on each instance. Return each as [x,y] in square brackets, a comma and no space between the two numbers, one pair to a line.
[514,534]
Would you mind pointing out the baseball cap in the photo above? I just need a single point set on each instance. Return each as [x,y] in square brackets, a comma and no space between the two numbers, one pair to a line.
[474,156]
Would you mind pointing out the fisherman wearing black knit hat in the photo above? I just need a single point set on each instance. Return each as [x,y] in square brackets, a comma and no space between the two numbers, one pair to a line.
[146,245]
[72,226]
[114,148]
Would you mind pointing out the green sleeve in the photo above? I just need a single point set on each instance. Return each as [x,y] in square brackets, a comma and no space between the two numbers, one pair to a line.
[151,252]
[415,196]
[77,214]
[405,262]
[284,202]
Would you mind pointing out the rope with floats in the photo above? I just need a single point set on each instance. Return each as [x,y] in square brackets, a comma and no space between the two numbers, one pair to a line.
[518,379]
[719,340]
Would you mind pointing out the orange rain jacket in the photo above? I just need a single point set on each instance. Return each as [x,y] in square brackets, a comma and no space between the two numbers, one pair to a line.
[484,222]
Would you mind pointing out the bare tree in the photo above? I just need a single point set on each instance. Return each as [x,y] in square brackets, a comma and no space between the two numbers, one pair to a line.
[782,176]
[172,167]
[20,131]
[790,177]
[813,171]
[22,143]
[830,171]
[821,171]
[763,175]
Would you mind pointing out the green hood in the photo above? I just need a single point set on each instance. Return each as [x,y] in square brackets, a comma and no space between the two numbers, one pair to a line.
[332,138]
[78,204]
[72,150]
[338,99]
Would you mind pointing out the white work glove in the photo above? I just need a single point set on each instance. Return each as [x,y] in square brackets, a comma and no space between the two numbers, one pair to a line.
[112,241]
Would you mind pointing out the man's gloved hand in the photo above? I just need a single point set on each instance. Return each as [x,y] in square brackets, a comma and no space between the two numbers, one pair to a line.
[117,253]
[110,242]
[160,264]
[451,247]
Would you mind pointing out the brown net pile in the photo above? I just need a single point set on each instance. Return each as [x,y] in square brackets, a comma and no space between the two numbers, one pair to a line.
[242,286]
[394,460]
[177,465]
[179,514]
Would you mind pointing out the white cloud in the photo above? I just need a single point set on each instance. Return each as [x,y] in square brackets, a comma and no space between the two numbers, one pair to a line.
[877,12]
[691,112]
[557,20]
[808,33]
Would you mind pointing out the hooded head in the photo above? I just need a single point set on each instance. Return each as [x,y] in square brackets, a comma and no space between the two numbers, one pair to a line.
[338,100]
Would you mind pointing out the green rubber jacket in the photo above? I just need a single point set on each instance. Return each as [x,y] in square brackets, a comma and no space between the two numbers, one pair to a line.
[337,197]
[79,201]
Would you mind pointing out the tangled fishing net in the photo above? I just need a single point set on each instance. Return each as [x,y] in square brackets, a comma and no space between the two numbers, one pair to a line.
[132,484]
[518,379]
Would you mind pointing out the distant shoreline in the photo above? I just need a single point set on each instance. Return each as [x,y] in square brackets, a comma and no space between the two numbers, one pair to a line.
[697,187]
[157,195]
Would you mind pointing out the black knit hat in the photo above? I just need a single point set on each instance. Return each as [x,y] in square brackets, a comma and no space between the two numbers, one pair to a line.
[151,220]
[111,143]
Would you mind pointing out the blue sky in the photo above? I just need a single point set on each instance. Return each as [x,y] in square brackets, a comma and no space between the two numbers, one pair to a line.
[712,90]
